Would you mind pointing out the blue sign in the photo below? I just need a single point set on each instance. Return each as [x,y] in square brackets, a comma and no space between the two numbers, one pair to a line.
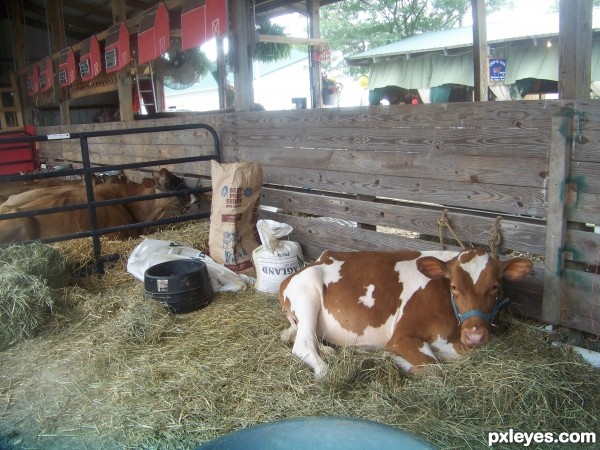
[497,69]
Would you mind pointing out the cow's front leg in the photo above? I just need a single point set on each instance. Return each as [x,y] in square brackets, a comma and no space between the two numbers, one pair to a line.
[411,353]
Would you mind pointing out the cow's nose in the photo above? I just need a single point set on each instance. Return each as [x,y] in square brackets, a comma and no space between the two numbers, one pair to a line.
[474,337]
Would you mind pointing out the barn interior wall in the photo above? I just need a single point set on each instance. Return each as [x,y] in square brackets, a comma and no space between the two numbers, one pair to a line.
[377,178]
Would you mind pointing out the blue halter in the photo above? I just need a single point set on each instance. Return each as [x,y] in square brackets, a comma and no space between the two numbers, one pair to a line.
[477,312]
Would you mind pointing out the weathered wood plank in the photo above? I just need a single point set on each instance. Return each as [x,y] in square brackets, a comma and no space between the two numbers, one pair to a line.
[583,247]
[528,143]
[519,235]
[469,169]
[317,235]
[520,115]
[491,198]
[584,208]
[581,301]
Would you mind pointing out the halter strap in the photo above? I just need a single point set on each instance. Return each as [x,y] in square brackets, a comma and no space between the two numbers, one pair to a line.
[477,312]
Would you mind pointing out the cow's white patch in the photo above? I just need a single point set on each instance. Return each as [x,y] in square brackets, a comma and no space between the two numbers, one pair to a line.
[368,299]
[475,266]
[402,363]
[330,330]
[426,350]
[331,272]
[444,350]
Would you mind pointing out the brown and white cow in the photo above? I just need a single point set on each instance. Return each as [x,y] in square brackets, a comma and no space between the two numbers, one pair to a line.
[67,222]
[423,307]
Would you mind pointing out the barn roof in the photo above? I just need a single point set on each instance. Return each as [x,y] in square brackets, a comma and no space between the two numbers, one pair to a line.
[498,33]
[86,17]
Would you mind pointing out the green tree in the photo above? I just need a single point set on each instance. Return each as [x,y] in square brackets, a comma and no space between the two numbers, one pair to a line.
[354,26]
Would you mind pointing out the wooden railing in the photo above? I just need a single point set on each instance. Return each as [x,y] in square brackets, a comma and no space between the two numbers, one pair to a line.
[382,177]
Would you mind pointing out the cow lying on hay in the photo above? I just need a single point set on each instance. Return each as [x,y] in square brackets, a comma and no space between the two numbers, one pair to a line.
[424,307]
[67,222]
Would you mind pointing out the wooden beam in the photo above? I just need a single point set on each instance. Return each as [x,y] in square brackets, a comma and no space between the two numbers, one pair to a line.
[20,55]
[87,8]
[124,78]
[575,41]
[480,59]
[556,222]
[314,31]
[289,40]
[221,77]
[58,41]
[242,49]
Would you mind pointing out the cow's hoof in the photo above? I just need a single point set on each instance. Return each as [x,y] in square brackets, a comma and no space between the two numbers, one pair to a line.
[328,350]
[289,335]
[321,371]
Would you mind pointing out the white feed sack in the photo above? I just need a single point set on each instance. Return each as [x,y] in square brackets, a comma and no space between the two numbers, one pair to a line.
[235,198]
[275,259]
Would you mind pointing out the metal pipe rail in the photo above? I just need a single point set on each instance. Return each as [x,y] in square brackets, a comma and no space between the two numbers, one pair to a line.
[86,172]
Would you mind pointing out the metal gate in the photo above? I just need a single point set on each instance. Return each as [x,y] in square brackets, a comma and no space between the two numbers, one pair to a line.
[86,172]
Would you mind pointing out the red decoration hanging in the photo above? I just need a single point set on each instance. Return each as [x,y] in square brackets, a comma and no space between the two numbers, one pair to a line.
[33,85]
[116,52]
[46,74]
[153,34]
[321,53]
[202,20]
[66,67]
[90,61]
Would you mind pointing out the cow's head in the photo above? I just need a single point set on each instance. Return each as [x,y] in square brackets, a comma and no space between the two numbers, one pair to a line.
[475,286]
[165,181]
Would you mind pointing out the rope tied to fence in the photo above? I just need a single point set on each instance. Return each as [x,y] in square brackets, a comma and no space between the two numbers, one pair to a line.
[443,222]
[496,238]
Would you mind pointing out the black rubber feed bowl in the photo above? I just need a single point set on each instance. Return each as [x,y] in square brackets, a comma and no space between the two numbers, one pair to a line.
[181,285]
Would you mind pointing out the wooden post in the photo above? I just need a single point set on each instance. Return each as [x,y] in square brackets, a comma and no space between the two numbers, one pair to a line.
[56,24]
[221,74]
[124,78]
[315,66]
[480,59]
[242,49]
[575,41]
[20,55]
[556,220]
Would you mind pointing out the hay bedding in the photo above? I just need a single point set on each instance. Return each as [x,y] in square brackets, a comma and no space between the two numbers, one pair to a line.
[111,369]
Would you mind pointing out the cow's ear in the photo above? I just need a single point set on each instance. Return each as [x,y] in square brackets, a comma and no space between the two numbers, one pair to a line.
[432,267]
[161,178]
[516,268]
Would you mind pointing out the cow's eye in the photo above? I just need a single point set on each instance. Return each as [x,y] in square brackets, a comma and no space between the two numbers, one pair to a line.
[454,289]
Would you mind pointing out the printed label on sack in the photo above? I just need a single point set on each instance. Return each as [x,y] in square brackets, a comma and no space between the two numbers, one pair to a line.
[233,249]
[234,195]
[231,218]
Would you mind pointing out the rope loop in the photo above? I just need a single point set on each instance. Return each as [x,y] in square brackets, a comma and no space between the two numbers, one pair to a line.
[496,238]
[443,222]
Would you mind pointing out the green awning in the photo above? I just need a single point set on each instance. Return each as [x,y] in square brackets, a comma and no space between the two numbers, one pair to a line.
[435,69]
[539,62]
[423,72]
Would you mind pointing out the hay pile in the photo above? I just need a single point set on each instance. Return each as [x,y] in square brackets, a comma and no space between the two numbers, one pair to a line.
[114,370]
[27,274]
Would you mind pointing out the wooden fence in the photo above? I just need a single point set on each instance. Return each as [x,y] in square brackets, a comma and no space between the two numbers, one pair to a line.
[382,177]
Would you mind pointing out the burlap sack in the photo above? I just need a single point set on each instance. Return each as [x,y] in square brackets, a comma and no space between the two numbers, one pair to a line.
[235,198]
